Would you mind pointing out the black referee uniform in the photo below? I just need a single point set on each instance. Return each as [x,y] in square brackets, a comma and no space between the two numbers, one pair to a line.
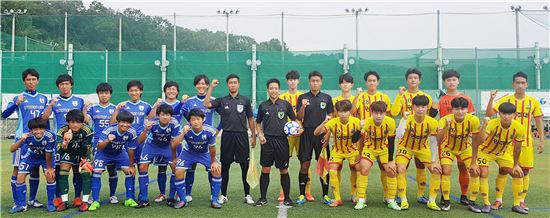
[273,117]
[234,113]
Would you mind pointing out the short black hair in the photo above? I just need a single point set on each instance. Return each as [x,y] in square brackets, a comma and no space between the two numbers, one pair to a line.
[450,73]
[170,84]
[125,116]
[30,71]
[63,78]
[379,106]
[293,74]
[344,105]
[273,80]
[37,123]
[200,77]
[372,72]
[507,108]
[346,77]
[197,113]
[460,102]
[75,115]
[165,108]
[520,74]
[413,71]
[420,100]
[135,83]
[104,87]
[315,73]
[231,76]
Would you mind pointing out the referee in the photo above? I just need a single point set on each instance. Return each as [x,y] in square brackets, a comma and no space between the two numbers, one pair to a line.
[272,117]
[313,108]
[235,110]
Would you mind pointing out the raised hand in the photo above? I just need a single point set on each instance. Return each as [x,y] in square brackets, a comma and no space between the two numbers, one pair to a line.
[20,99]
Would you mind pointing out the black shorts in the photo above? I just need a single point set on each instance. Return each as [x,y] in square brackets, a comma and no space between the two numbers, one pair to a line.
[234,147]
[275,150]
[308,143]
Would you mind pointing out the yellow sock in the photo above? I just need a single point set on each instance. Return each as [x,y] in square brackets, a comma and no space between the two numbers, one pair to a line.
[484,189]
[500,185]
[473,188]
[421,181]
[435,186]
[335,184]
[445,187]
[308,183]
[362,184]
[384,181]
[517,189]
[391,184]
[402,186]
[353,181]
[525,187]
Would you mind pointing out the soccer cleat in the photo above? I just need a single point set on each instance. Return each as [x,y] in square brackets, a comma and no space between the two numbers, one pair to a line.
[354,199]
[288,203]
[496,205]
[327,200]
[35,204]
[77,202]
[57,201]
[281,197]
[61,207]
[486,208]
[160,198]
[519,209]
[142,204]
[188,198]
[83,207]
[360,204]
[404,205]
[170,202]
[398,200]
[433,206]
[180,204]
[394,206]
[18,209]
[446,205]
[248,199]
[301,200]
[309,197]
[336,203]
[260,202]
[113,200]
[464,200]
[422,200]
[94,206]
[472,206]
[51,208]
[222,199]
[215,205]
[524,206]
[130,203]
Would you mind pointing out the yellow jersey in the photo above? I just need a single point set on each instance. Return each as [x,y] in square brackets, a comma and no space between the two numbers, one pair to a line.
[291,98]
[457,136]
[376,136]
[526,108]
[403,103]
[499,138]
[417,133]
[342,134]
[364,100]
[340,98]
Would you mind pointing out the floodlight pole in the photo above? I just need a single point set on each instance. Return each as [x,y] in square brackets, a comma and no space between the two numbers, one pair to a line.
[175,35]
[356,12]
[226,13]
[163,64]
[13,13]
[254,63]
[516,10]
[65,33]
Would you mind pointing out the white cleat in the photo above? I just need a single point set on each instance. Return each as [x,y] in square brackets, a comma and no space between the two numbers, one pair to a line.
[188,198]
[222,199]
[113,200]
[248,199]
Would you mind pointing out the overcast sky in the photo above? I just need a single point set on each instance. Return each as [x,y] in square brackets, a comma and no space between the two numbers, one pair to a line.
[376,31]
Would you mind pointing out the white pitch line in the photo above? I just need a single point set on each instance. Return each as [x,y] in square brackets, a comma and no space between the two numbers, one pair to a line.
[282,211]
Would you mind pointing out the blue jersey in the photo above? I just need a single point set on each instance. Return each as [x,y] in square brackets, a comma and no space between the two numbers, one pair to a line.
[62,107]
[32,106]
[36,149]
[200,142]
[197,102]
[161,136]
[122,141]
[177,105]
[140,110]
[100,117]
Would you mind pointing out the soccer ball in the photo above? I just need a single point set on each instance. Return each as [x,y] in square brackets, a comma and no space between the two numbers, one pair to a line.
[291,128]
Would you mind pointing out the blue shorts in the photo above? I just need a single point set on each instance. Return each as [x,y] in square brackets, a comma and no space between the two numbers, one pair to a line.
[27,164]
[102,159]
[16,156]
[187,158]
[155,155]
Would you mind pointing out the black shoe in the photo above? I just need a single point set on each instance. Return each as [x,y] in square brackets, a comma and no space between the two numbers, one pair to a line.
[473,207]
[142,204]
[464,200]
[170,202]
[446,205]
[288,203]
[260,202]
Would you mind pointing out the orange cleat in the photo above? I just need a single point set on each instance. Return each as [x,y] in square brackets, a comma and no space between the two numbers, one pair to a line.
[309,197]
[57,201]
[336,203]
[77,202]
[281,197]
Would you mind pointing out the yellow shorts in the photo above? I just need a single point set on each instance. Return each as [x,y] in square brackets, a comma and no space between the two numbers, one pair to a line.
[338,158]
[505,160]
[293,144]
[448,156]
[526,157]
[404,155]
[373,155]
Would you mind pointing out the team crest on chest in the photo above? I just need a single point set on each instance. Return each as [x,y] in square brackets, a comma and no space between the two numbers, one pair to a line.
[168,130]
[281,114]
[125,138]
[44,142]
[240,108]
[75,103]
[203,137]
[41,100]
[111,111]
[323,105]
[141,107]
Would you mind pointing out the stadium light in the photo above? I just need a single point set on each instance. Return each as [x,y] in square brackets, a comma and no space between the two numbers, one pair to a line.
[13,13]
[226,13]
[356,12]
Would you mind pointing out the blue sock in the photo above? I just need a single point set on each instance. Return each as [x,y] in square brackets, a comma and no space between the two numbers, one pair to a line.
[13,189]
[172,192]
[33,187]
[143,186]
[77,183]
[180,187]
[189,180]
[113,180]
[50,190]
[21,194]
[161,179]
[96,185]
[215,187]
[129,182]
